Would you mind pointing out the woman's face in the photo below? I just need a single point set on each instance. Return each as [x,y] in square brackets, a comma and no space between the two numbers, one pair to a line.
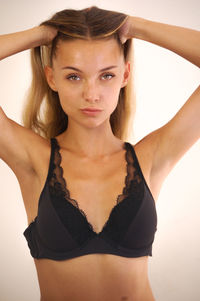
[88,74]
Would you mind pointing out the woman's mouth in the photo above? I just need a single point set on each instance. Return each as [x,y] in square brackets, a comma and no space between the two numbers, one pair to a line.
[91,111]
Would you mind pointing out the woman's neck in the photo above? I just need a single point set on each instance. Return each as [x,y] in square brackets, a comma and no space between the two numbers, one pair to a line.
[90,142]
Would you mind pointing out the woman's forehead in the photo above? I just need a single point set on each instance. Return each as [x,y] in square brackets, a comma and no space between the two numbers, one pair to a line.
[88,51]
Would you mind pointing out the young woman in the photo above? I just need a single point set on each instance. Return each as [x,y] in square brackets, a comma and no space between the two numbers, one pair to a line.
[90,195]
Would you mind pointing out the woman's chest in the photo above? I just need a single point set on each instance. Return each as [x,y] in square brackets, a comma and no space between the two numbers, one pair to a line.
[95,186]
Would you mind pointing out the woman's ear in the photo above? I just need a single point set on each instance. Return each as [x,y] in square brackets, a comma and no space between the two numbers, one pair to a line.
[50,78]
[126,74]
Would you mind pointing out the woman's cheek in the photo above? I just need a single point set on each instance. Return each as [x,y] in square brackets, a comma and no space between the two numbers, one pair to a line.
[114,95]
[68,94]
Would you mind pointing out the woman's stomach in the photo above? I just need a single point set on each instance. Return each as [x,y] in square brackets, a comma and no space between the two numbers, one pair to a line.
[94,277]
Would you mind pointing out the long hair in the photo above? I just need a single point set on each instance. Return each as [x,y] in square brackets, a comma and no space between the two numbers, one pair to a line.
[42,111]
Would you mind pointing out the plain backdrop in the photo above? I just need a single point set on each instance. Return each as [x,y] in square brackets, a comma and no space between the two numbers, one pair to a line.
[163,82]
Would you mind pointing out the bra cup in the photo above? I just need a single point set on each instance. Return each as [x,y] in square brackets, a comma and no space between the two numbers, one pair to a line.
[122,217]
[61,230]
[143,227]
[53,234]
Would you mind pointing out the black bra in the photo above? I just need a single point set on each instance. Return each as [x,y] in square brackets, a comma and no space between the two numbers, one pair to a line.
[61,230]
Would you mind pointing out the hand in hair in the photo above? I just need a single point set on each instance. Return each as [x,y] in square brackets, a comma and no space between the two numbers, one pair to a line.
[126,30]
[133,27]
[48,34]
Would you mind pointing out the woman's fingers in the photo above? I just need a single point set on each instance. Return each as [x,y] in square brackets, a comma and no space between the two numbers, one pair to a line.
[125,31]
[48,33]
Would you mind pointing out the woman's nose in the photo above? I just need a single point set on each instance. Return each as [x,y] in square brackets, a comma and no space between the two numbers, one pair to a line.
[90,92]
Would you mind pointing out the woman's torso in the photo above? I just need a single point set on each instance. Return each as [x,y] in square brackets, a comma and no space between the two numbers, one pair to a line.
[93,277]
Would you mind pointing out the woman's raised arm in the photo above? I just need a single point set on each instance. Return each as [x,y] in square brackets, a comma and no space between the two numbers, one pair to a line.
[168,144]
[19,41]
[183,41]
[18,154]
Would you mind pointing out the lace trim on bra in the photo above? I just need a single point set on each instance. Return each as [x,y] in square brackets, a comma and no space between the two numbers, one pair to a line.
[59,186]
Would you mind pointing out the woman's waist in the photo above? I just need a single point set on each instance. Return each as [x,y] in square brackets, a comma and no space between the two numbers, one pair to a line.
[94,277]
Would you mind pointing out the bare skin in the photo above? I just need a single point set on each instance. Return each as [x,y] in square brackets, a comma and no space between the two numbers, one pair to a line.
[108,277]
[97,277]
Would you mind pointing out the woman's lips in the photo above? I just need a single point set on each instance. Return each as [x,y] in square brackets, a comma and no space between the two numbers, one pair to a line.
[90,111]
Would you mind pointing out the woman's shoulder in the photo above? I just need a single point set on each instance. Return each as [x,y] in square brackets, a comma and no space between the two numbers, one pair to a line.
[21,148]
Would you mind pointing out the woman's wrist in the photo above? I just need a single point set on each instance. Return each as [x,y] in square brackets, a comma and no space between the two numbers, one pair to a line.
[139,27]
[36,37]
[46,34]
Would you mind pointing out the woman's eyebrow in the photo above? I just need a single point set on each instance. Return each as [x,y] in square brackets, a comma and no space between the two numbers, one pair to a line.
[76,69]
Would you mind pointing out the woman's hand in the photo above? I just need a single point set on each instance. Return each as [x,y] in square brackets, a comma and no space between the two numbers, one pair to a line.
[48,34]
[127,30]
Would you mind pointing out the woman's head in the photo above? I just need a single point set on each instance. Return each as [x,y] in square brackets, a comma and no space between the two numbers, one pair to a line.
[72,74]
[88,73]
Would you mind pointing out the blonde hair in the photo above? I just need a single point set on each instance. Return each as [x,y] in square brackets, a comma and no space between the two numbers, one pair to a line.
[42,111]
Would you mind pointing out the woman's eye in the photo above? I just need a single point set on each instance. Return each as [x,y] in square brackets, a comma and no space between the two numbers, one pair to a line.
[73,77]
[108,76]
